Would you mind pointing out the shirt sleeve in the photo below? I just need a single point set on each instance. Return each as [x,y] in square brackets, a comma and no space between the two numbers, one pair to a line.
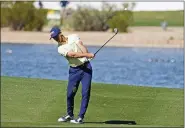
[76,39]
[63,51]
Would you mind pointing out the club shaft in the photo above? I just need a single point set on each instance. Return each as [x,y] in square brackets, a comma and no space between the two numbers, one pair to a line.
[104,44]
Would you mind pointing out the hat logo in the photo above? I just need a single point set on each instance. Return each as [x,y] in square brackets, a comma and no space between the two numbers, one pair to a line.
[52,32]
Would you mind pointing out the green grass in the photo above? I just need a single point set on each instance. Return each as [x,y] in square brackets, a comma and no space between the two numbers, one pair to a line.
[154,18]
[39,102]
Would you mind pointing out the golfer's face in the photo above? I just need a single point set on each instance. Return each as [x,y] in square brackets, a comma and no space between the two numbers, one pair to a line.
[56,38]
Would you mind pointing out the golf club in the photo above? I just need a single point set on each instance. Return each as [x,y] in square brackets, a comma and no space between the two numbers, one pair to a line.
[115,31]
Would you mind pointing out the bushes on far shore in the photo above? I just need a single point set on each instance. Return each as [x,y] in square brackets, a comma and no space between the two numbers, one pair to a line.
[91,19]
[122,20]
[22,16]
[86,18]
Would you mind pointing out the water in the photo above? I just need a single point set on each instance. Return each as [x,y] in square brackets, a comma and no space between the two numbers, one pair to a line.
[154,67]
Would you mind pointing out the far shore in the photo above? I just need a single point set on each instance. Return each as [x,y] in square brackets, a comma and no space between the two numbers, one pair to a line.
[137,37]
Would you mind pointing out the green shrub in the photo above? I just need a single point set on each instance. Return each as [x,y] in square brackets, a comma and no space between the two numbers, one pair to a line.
[121,20]
[5,13]
[23,16]
[38,20]
[91,19]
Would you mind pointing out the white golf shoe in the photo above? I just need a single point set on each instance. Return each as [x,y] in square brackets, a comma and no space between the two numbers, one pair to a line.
[77,121]
[65,118]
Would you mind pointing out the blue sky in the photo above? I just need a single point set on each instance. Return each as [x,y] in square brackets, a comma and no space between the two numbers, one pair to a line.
[140,6]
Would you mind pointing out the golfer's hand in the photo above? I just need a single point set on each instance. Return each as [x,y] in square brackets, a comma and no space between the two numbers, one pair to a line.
[91,55]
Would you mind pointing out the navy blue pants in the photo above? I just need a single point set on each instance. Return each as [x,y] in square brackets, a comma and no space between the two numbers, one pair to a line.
[79,74]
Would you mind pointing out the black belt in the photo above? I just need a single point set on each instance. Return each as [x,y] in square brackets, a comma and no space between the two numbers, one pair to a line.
[82,65]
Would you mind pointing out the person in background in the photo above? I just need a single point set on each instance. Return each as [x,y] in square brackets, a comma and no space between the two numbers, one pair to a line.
[164,25]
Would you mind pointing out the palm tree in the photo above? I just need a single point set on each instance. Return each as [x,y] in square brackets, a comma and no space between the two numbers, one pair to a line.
[63,4]
[40,4]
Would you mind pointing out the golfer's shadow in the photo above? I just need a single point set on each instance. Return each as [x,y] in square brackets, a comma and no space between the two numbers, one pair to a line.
[115,122]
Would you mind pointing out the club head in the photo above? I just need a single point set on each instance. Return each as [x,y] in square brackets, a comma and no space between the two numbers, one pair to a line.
[115,30]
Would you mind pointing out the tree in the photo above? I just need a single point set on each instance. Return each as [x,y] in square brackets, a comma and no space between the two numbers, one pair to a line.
[63,4]
[23,16]
[5,13]
[106,14]
[40,4]
[87,18]
[125,6]
[123,18]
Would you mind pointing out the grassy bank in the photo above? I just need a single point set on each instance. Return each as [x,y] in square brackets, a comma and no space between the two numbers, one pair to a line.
[154,18]
[39,102]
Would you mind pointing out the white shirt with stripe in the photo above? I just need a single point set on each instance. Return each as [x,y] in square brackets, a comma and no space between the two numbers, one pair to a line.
[72,45]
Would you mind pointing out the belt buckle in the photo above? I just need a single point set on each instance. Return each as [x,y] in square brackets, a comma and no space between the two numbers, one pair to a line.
[83,64]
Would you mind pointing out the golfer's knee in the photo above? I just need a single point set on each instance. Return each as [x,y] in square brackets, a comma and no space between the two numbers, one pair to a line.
[86,94]
[71,92]
[70,95]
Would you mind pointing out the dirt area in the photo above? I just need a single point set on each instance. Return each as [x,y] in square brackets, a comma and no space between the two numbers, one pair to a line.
[137,37]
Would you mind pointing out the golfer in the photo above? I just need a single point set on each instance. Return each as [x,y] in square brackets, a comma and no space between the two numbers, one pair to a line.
[72,48]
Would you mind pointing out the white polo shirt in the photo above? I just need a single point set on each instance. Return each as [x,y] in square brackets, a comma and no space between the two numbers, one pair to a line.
[72,45]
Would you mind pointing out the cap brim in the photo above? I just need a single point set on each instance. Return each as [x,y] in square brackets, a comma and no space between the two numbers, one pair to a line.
[55,35]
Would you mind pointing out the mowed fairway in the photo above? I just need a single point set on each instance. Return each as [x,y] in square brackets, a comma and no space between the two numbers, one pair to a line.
[154,18]
[39,102]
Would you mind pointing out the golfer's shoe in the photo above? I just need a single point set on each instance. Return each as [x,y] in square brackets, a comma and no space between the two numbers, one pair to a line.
[65,118]
[77,121]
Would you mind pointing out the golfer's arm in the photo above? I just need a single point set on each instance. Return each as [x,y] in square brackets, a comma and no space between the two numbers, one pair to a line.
[82,47]
[78,54]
